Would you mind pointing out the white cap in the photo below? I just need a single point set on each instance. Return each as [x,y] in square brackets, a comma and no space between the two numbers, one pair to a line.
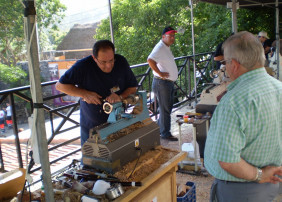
[264,34]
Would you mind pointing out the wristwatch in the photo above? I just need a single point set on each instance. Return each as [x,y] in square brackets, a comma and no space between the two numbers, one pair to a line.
[259,175]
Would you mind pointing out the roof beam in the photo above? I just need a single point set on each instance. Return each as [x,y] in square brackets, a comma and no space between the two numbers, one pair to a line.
[256,3]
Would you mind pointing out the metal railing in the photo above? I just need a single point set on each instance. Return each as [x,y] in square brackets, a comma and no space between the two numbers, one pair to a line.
[184,93]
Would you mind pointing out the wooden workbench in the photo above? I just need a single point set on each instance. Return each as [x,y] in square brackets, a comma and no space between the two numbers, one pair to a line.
[160,185]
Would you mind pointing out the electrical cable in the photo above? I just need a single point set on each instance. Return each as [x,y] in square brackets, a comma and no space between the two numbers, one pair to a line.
[23,190]
[137,148]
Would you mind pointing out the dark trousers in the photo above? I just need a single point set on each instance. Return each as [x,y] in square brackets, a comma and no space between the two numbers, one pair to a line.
[163,90]
[226,191]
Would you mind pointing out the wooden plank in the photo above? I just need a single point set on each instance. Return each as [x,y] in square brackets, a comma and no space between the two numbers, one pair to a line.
[161,190]
[173,185]
[11,183]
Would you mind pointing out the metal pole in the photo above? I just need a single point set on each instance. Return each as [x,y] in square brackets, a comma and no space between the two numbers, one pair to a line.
[193,45]
[111,22]
[279,68]
[36,92]
[234,17]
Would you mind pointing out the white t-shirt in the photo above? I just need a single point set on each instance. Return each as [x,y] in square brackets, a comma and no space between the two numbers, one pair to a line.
[9,111]
[164,58]
[2,114]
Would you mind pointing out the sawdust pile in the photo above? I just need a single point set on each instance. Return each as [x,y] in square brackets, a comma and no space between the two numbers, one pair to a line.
[139,169]
[124,131]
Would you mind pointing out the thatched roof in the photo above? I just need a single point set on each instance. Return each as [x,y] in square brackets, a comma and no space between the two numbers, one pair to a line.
[79,37]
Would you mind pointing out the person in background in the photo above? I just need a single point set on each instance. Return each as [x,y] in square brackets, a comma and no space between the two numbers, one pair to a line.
[243,149]
[2,120]
[9,120]
[273,56]
[267,46]
[101,76]
[262,36]
[161,61]
[218,55]
[266,43]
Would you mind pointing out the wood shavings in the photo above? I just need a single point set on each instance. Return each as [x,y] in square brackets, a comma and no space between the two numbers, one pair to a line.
[146,164]
[124,131]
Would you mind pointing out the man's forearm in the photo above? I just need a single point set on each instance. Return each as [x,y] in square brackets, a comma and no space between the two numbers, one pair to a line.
[70,89]
[154,66]
[128,91]
[248,172]
[242,169]
[218,58]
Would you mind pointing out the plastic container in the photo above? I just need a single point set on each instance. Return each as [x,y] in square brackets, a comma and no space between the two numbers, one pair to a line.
[185,118]
[190,196]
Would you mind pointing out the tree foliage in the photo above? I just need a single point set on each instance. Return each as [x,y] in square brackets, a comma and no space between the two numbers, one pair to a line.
[14,75]
[12,39]
[138,25]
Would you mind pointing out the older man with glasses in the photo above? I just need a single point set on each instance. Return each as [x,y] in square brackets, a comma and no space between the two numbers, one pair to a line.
[101,76]
[243,149]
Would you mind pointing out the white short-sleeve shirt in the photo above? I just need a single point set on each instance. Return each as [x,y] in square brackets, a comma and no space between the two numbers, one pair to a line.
[164,58]
[2,114]
[9,111]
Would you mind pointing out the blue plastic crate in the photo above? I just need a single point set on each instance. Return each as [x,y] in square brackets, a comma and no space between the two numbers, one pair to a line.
[190,196]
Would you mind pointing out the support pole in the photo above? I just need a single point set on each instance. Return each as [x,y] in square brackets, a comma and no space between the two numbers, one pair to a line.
[36,92]
[279,67]
[111,22]
[193,45]
[234,16]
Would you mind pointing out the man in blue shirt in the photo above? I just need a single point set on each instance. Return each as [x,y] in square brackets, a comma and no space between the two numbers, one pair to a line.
[103,75]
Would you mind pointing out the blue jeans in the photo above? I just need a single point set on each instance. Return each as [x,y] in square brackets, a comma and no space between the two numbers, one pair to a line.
[84,134]
[163,90]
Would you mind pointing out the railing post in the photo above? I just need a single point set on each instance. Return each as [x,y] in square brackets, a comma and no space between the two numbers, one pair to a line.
[2,168]
[15,128]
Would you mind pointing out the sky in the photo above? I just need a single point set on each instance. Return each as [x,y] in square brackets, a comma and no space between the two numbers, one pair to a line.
[84,11]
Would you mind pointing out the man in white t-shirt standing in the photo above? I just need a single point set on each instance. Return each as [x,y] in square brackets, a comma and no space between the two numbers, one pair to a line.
[9,120]
[2,121]
[161,61]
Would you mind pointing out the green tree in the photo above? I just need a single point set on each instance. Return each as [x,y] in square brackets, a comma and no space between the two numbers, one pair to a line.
[14,75]
[254,21]
[12,39]
[138,25]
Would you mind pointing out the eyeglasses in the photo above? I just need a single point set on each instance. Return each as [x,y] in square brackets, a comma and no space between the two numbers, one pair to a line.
[171,36]
[223,62]
[106,62]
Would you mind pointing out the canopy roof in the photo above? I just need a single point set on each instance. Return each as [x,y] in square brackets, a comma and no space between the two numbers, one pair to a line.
[248,3]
